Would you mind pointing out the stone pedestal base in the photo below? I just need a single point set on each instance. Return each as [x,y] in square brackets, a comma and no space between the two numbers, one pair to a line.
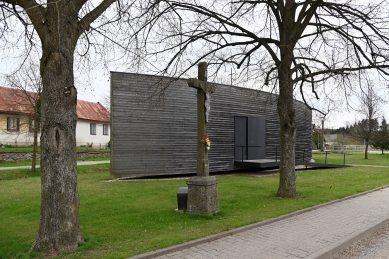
[202,195]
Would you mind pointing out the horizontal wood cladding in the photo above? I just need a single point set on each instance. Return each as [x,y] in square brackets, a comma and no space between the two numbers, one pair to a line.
[154,125]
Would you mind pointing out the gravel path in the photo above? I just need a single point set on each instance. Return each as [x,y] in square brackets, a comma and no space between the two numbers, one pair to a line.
[375,246]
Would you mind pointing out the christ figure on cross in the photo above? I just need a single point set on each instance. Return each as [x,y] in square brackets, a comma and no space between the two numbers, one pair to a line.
[204,91]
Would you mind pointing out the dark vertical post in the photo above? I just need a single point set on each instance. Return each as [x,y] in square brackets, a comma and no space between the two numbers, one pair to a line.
[322,135]
[247,138]
[202,189]
[344,158]
[326,158]
[202,152]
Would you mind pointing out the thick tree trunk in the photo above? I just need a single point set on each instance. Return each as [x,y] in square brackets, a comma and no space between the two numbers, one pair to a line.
[285,107]
[286,112]
[366,149]
[59,228]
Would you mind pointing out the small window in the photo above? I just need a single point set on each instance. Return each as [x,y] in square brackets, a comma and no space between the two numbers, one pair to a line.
[12,124]
[105,129]
[93,128]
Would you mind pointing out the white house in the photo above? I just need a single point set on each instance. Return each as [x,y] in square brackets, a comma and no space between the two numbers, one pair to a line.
[16,119]
[92,124]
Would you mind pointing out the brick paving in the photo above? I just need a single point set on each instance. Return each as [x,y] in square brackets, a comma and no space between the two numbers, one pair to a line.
[313,233]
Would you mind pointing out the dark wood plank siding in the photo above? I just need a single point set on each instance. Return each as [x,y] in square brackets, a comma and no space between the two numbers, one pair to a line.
[154,132]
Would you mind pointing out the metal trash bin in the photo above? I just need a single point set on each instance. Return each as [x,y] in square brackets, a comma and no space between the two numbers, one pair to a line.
[182,198]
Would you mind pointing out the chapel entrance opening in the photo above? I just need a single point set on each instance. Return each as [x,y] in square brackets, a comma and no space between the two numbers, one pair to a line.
[250,138]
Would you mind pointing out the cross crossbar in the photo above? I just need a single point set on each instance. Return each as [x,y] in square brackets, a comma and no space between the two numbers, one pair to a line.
[199,84]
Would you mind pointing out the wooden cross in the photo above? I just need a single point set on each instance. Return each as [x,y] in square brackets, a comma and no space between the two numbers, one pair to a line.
[204,91]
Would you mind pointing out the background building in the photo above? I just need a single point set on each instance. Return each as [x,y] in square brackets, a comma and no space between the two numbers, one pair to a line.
[17,108]
[154,126]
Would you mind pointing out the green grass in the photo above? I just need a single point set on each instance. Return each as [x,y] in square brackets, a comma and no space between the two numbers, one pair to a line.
[25,173]
[355,158]
[17,174]
[21,163]
[122,219]
[17,149]
[10,148]
[28,163]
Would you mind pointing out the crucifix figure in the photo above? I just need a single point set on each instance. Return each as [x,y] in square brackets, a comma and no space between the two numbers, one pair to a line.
[204,91]
[202,189]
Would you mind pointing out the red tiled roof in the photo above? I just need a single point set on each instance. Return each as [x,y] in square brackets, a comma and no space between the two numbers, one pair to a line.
[14,101]
[92,111]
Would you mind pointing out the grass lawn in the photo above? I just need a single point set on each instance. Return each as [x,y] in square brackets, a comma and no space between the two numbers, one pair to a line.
[121,219]
[354,158]
[14,148]
[28,163]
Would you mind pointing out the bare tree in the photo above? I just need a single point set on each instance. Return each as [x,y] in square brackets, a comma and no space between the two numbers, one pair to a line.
[363,130]
[60,31]
[370,103]
[106,101]
[28,84]
[380,138]
[293,47]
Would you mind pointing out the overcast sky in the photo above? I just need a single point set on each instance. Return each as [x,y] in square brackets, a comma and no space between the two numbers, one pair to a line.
[96,86]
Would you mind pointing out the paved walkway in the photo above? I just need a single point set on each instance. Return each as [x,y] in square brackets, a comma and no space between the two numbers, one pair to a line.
[317,232]
[78,163]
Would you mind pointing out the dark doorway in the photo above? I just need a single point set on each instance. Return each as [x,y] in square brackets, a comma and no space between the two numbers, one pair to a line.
[250,138]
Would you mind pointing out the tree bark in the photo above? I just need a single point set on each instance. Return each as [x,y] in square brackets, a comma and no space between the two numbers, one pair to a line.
[59,228]
[285,107]
[366,149]
[286,112]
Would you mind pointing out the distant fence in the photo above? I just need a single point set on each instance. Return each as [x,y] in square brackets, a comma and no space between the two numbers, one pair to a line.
[92,146]
[349,148]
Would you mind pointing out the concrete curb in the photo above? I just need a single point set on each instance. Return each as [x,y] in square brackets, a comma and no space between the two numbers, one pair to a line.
[321,254]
